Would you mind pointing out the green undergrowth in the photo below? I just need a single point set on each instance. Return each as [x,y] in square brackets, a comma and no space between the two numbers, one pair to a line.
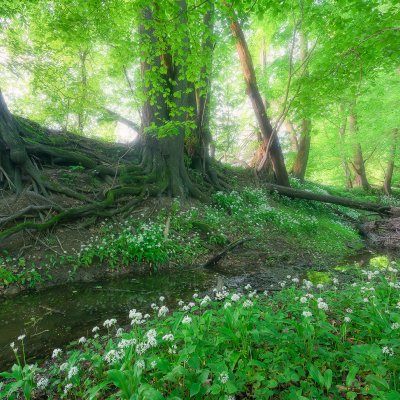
[308,341]
[184,234]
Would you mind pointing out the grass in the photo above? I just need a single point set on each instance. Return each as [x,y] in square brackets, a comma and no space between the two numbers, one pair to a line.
[308,341]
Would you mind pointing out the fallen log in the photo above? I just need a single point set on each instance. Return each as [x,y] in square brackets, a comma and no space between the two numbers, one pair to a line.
[383,233]
[341,201]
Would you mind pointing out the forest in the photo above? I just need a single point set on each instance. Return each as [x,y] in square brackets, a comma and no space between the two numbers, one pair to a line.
[199,199]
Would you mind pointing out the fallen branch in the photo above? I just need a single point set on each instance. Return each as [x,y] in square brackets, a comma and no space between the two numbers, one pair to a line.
[214,260]
[341,201]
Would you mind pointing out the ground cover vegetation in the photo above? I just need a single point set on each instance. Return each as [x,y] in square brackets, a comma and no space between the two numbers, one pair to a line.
[142,135]
[338,339]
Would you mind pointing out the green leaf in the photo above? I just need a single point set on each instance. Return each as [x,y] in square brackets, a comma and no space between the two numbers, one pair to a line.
[379,382]
[328,378]
[194,389]
[316,375]
[351,375]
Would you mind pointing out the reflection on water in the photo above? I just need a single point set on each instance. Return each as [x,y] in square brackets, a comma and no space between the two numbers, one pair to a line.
[56,316]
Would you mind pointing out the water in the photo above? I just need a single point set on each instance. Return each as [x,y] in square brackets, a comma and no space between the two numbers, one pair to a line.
[56,316]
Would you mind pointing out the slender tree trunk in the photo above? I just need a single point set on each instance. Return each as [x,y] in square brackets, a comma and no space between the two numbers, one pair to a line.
[360,179]
[387,185]
[300,163]
[292,135]
[264,123]
[345,164]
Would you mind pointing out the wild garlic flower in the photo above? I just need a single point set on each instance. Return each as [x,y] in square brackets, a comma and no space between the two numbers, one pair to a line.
[227,305]
[141,348]
[323,306]
[64,366]
[108,323]
[185,308]
[306,314]
[12,345]
[21,337]
[248,286]
[119,333]
[154,306]
[112,356]
[303,299]
[153,364]
[223,377]
[247,304]
[265,293]
[347,319]
[72,372]
[395,326]
[349,310]
[56,353]
[141,364]
[320,286]
[181,303]
[163,311]
[335,281]
[95,329]
[235,297]
[67,388]
[295,280]
[195,295]
[42,383]
[168,337]
[126,343]
[162,298]
[186,320]
[172,350]
[388,350]
[191,304]
[82,340]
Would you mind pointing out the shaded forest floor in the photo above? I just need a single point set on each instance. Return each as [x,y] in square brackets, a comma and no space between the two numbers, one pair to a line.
[164,233]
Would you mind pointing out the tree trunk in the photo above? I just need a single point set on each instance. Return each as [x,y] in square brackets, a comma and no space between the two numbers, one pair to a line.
[264,123]
[345,164]
[341,201]
[163,154]
[292,135]
[387,185]
[300,163]
[360,179]
[15,164]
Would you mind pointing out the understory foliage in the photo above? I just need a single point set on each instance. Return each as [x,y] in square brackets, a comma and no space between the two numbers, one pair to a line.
[307,341]
[180,234]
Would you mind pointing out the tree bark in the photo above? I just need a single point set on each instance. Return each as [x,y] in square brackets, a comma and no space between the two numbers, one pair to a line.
[360,179]
[341,201]
[301,161]
[387,185]
[345,164]
[15,164]
[253,92]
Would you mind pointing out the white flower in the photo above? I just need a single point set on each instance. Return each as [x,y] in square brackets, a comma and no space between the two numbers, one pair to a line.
[248,286]
[349,310]
[265,292]
[223,377]
[42,383]
[153,364]
[12,345]
[67,388]
[56,353]
[63,366]
[247,304]
[95,329]
[320,286]
[162,298]
[365,300]
[162,312]
[295,280]
[235,297]
[154,306]
[185,308]
[172,350]
[108,323]
[388,350]
[395,326]
[186,320]
[142,347]
[181,303]
[22,337]
[119,333]
[347,319]
[82,340]
[195,295]
[322,305]
[227,305]
[303,299]
[320,299]
[125,343]
[168,337]
[141,364]
[205,300]
[335,281]
[112,356]
[307,314]
[310,295]
[72,372]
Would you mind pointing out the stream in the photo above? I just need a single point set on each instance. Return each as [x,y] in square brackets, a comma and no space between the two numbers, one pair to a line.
[54,317]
